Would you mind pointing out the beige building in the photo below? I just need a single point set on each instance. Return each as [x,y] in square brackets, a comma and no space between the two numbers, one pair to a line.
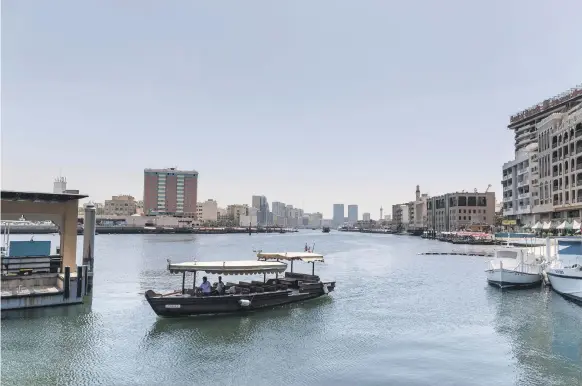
[207,210]
[122,205]
[235,211]
[455,211]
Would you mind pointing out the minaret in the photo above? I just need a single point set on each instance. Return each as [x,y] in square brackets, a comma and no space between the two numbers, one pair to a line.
[417,192]
[381,211]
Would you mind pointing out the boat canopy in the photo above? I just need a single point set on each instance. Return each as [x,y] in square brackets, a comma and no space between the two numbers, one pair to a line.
[308,257]
[239,267]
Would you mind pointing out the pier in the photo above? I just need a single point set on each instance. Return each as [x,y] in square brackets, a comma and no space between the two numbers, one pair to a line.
[32,274]
[459,253]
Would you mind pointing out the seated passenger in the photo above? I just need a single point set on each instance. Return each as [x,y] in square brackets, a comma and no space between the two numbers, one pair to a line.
[205,287]
[220,286]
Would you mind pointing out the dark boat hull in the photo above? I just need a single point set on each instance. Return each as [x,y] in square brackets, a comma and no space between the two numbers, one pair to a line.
[228,304]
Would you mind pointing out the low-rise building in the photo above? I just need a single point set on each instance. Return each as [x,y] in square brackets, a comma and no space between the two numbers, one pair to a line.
[207,211]
[456,211]
[122,205]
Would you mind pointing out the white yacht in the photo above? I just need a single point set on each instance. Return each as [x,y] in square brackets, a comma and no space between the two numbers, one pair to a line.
[565,272]
[513,268]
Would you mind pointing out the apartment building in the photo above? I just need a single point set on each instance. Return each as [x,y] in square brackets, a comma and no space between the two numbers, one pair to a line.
[170,192]
[235,211]
[455,211]
[540,183]
[400,216]
[122,205]
[207,210]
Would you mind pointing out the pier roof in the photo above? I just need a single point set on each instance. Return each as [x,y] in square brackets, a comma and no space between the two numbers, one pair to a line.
[11,195]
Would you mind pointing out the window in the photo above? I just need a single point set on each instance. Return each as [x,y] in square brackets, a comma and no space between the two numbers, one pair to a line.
[481,201]
[472,201]
[464,217]
[462,201]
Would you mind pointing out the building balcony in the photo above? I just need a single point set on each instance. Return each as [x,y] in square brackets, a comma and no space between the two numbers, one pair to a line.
[524,195]
[522,171]
[507,199]
[523,209]
[508,212]
[578,134]
[507,188]
[523,183]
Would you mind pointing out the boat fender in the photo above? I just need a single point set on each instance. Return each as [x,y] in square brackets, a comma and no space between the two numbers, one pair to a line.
[244,303]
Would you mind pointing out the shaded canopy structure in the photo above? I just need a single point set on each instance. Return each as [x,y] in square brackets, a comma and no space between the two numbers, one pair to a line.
[60,208]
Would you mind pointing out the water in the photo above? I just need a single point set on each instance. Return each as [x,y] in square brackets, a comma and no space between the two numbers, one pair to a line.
[396,318]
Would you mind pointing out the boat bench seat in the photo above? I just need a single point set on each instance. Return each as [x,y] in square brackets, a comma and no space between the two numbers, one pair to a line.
[301,276]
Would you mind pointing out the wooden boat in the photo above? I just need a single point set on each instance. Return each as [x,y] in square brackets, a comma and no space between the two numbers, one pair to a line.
[247,296]
[325,229]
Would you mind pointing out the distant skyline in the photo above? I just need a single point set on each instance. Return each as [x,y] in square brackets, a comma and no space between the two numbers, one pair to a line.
[306,103]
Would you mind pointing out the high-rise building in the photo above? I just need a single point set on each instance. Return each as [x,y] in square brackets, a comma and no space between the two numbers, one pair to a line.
[366,217]
[352,214]
[541,182]
[262,206]
[338,214]
[170,192]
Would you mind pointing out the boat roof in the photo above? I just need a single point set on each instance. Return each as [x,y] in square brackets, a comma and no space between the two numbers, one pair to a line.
[308,257]
[237,267]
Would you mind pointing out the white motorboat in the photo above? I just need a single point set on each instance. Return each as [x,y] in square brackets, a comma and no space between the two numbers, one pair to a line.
[514,268]
[565,273]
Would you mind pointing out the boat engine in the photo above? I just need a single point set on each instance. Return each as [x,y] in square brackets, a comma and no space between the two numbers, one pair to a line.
[244,303]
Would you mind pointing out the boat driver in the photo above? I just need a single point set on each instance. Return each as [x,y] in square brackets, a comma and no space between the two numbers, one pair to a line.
[205,287]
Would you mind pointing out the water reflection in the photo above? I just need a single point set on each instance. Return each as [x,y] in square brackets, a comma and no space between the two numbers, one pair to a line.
[540,328]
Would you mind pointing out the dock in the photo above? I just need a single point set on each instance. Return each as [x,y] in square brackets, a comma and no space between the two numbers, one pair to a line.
[460,253]
[32,275]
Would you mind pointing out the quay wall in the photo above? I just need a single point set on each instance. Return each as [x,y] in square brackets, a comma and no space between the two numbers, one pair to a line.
[159,230]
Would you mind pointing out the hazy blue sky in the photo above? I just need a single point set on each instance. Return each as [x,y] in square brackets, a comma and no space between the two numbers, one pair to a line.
[308,102]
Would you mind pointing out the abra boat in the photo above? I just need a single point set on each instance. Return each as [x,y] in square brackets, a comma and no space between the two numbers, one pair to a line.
[565,273]
[241,296]
[514,268]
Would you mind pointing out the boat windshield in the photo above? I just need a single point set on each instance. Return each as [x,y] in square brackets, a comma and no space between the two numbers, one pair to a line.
[507,254]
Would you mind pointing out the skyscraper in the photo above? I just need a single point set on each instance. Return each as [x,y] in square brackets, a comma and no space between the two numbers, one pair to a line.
[338,214]
[262,206]
[170,192]
[352,214]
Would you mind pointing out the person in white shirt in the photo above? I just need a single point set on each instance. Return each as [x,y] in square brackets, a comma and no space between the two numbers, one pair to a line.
[220,286]
[205,287]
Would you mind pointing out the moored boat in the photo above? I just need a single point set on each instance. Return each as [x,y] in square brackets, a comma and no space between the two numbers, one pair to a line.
[565,273]
[514,268]
[237,297]
[326,230]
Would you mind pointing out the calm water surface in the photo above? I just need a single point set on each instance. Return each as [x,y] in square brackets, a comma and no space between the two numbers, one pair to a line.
[396,318]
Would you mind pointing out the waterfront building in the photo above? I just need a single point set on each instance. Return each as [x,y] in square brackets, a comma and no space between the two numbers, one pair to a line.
[352,214]
[262,206]
[338,214]
[455,211]
[401,216]
[121,205]
[250,218]
[170,192]
[541,182]
[366,217]
[207,211]
[419,216]
[315,220]
[235,211]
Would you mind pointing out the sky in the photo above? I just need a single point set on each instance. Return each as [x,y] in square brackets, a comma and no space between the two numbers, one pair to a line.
[308,103]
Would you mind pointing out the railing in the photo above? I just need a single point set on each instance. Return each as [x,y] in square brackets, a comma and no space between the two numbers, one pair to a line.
[31,264]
